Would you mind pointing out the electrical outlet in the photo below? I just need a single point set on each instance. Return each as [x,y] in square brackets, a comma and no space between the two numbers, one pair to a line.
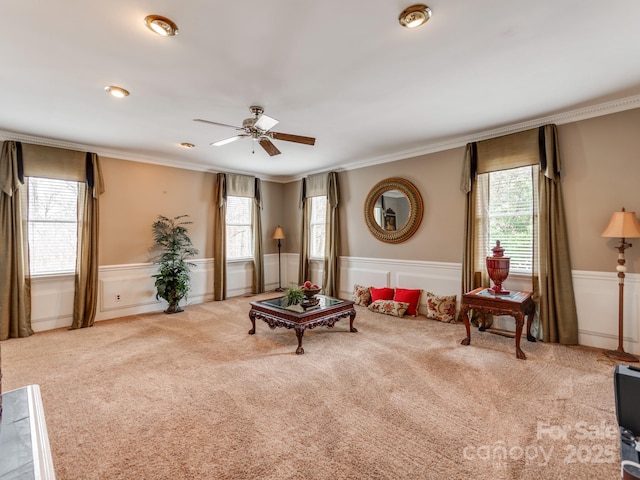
[117,297]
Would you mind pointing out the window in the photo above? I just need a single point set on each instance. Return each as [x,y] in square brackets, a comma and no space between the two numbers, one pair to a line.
[239,227]
[317,226]
[52,225]
[506,213]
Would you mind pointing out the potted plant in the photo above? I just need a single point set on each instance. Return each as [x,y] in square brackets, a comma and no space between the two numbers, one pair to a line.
[293,296]
[174,276]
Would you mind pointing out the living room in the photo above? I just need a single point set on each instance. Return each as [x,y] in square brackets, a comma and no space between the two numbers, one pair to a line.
[594,151]
[598,144]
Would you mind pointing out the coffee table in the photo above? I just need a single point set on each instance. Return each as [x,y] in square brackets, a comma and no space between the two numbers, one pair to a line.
[328,311]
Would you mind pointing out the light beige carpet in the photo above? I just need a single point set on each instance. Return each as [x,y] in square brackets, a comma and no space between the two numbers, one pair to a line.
[193,396]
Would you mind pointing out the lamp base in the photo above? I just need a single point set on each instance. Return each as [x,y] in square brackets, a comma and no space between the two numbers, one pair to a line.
[621,355]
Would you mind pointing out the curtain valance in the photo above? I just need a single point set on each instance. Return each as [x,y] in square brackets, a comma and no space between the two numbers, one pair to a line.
[519,149]
[314,186]
[51,162]
[240,185]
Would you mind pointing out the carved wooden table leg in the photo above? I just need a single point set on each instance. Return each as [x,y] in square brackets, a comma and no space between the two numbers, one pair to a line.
[464,313]
[351,319]
[252,317]
[299,334]
[519,324]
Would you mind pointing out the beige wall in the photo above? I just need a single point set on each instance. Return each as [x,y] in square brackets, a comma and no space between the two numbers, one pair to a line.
[272,216]
[292,216]
[136,193]
[602,174]
[439,237]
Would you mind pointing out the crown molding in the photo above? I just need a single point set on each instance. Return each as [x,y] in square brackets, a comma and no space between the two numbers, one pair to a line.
[569,116]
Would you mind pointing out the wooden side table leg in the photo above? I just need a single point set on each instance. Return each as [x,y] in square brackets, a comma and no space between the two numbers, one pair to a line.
[464,313]
[519,325]
[299,334]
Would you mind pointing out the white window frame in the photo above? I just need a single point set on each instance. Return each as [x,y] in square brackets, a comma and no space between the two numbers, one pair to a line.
[229,222]
[318,204]
[35,269]
[521,254]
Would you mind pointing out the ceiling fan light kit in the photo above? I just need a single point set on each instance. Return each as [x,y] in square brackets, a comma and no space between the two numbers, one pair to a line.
[414,16]
[258,128]
[163,26]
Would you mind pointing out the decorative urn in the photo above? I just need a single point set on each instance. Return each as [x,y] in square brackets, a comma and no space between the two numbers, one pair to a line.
[498,269]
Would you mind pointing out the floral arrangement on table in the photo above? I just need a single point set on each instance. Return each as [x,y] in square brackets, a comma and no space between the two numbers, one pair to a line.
[300,295]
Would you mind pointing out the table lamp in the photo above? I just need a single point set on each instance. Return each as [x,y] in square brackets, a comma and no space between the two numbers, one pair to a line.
[622,225]
[278,234]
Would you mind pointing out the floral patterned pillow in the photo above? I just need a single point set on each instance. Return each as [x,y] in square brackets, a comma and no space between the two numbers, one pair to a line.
[361,295]
[389,307]
[441,308]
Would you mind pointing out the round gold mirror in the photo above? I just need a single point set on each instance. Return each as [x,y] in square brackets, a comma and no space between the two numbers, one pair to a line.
[393,210]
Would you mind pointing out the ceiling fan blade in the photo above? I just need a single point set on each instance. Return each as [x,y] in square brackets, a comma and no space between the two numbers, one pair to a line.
[269,147]
[216,123]
[226,140]
[265,122]
[293,138]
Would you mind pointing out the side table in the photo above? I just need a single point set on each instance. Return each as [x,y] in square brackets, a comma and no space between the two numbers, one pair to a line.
[515,304]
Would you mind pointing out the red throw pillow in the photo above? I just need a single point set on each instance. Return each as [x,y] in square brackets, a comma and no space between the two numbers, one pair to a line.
[412,297]
[383,293]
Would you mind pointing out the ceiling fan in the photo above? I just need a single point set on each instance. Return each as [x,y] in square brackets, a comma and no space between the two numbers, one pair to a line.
[258,128]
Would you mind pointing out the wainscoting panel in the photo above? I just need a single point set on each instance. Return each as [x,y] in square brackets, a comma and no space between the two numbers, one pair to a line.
[52,301]
[438,278]
[239,278]
[290,263]
[596,292]
[597,304]
[129,289]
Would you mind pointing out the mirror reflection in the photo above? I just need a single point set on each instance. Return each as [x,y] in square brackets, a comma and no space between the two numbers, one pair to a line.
[391,210]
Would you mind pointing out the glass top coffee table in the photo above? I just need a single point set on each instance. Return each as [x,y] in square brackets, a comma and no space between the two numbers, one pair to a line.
[328,311]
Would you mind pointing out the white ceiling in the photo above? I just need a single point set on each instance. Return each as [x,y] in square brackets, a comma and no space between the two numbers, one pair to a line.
[344,72]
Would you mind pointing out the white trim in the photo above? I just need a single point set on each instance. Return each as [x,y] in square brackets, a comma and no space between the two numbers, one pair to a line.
[407,263]
[41,451]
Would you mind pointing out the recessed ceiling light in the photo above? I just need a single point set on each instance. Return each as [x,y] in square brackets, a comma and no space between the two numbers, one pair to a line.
[117,92]
[187,145]
[161,25]
[414,16]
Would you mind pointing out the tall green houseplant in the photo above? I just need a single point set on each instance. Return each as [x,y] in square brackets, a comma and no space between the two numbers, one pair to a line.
[175,247]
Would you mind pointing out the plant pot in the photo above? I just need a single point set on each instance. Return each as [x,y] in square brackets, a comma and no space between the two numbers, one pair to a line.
[173,308]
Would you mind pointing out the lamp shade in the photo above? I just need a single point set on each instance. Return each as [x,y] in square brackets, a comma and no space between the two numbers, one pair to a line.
[623,225]
[278,234]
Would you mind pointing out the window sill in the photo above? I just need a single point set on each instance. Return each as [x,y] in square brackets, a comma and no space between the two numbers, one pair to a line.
[50,276]
[240,260]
